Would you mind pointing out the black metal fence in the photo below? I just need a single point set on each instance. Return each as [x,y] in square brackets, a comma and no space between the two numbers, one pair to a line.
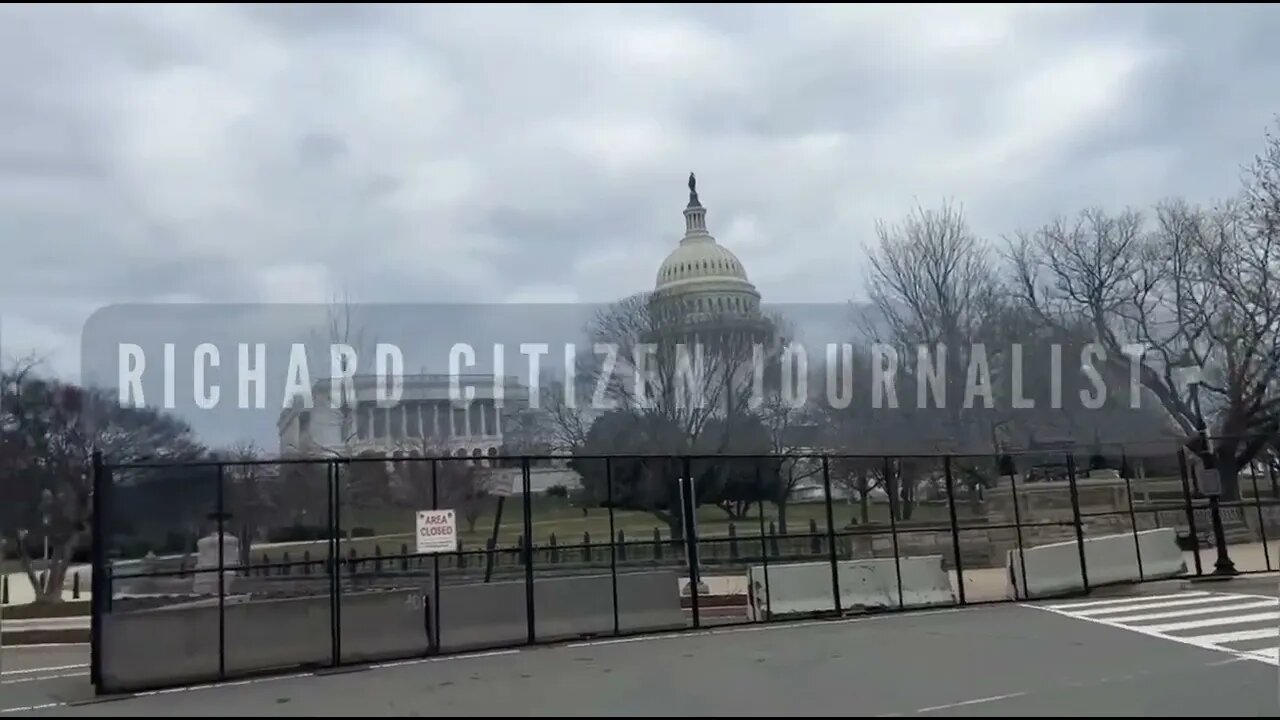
[207,571]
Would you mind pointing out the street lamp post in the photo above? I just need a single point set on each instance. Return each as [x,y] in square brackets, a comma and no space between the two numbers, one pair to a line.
[1211,486]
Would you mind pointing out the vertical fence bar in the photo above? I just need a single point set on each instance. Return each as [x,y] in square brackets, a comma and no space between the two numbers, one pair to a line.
[1191,514]
[613,549]
[1257,505]
[1126,471]
[1079,521]
[1017,527]
[831,537]
[764,548]
[222,590]
[99,578]
[689,509]
[688,506]
[955,529]
[435,564]
[335,639]
[894,489]
[528,547]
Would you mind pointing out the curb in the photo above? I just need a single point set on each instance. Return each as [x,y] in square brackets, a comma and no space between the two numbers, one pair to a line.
[43,637]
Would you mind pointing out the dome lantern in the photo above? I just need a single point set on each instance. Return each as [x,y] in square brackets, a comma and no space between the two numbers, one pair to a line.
[702,272]
[695,216]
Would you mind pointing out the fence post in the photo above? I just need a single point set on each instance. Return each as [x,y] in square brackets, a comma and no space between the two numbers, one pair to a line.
[1017,524]
[554,551]
[773,539]
[1079,521]
[1262,523]
[586,546]
[893,526]
[613,553]
[1126,472]
[222,590]
[657,544]
[99,587]
[434,641]
[1191,514]
[831,539]
[528,545]
[764,552]
[335,567]
[815,541]
[955,529]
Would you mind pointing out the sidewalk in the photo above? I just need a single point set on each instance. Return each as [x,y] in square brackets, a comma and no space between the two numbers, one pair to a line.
[40,631]
[21,592]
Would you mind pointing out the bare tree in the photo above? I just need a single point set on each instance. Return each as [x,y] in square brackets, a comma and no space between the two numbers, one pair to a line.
[466,485]
[695,366]
[335,431]
[48,432]
[792,431]
[937,290]
[1195,289]
[943,307]
[856,477]
[677,378]
[250,492]
[536,429]
[569,410]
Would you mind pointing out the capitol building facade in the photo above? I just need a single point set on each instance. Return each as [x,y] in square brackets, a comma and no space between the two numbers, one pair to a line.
[426,420]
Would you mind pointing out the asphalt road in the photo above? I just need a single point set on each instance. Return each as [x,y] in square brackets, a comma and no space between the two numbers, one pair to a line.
[992,660]
[36,675]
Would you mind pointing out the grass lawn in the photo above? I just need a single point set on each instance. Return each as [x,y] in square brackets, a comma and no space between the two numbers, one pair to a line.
[556,516]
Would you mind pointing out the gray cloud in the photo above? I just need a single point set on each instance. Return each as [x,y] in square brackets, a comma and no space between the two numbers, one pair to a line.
[423,154]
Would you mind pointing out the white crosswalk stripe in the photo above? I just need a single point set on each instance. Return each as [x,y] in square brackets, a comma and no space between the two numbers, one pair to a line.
[1118,609]
[1251,605]
[1247,626]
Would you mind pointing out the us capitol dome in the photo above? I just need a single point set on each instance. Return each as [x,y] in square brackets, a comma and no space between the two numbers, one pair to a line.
[702,285]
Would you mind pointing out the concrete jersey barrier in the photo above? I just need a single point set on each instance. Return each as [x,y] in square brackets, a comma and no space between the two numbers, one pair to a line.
[1055,568]
[180,644]
[803,588]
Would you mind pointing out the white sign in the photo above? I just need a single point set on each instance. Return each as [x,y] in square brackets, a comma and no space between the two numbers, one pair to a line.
[436,531]
[504,482]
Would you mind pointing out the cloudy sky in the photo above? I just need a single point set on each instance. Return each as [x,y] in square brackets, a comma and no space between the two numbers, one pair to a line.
[421,154]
